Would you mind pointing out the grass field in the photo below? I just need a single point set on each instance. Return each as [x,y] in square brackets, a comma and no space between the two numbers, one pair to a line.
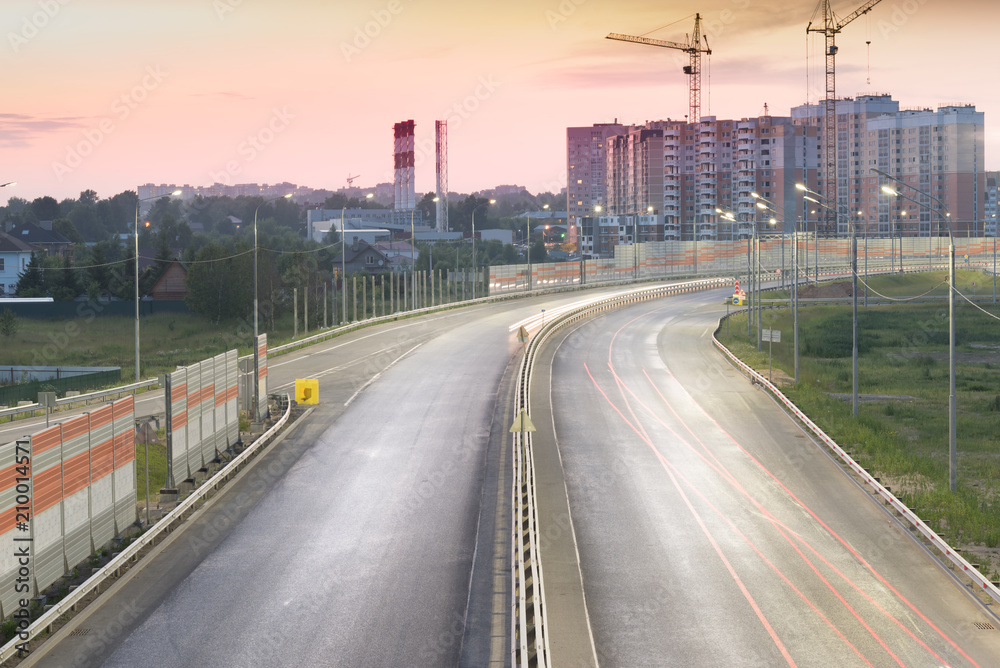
[166,341]
[902,435]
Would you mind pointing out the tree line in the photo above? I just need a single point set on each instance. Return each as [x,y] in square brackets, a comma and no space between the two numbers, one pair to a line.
[213,237]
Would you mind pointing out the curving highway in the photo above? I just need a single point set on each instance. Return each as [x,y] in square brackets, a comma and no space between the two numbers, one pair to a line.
[712,531]
[375,534]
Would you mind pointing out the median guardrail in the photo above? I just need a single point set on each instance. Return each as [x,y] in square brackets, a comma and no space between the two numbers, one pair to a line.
[82,398]
[112,569]
[979,581]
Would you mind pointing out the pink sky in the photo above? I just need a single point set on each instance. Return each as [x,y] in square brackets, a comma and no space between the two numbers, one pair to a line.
[110,94]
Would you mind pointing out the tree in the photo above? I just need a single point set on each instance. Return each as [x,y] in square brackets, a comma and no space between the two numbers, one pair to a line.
[339,201]
[45,208]
[509,254]
[215,287]
[460,216]
[88,224]
[8,323]
[65,227]
[428,207]
[88,198]
[60,279]
[164,206]
[538,253]
[31,281]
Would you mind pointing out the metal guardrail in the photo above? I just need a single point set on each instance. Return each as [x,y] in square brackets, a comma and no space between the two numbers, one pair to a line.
[979,581]
[85,398]
[529,637]
[166,523]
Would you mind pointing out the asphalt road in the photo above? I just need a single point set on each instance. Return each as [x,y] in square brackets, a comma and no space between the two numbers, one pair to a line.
[712,531]
[373,535]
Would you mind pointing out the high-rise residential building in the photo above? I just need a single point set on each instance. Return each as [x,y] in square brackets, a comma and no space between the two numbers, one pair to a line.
[771,155]
[750,168]
[586,165]
[992,207]
[940,152]
[668,180]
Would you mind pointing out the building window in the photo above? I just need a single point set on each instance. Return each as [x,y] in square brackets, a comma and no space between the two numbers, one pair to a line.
[1,269]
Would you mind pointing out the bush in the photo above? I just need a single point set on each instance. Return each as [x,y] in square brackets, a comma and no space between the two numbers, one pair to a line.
[8,322]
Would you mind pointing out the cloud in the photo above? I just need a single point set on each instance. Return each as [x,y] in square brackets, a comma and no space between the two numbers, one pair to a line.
[21,130]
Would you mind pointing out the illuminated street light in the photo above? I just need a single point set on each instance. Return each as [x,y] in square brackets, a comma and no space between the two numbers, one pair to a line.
[474,266]
[136,235]
[256,379]
[952,402]
[343,251]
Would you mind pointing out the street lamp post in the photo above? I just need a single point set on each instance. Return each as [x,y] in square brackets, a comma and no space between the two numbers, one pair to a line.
[256,310]
[136,276]
[475,267]
[413,265]
[952,403]
[343,252]
[765,205]
[854,283]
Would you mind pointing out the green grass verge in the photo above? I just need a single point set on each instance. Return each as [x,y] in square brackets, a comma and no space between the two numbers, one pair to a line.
[157,470]
[903,438]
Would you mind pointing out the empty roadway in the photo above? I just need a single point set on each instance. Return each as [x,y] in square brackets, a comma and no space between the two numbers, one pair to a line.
[353,541]
[712,531]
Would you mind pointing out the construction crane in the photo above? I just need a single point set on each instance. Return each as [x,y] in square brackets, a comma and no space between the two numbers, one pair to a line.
[350,180]
[694,50]
[831,26]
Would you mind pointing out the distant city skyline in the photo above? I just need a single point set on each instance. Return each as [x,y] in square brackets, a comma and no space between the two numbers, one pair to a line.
[109,95]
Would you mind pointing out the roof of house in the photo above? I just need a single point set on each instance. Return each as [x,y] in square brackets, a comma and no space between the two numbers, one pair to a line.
[172,282]
[357,249]
[35,234]
[11,244]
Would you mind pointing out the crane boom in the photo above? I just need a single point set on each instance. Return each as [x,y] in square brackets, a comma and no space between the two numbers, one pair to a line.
[649,41]
[863,9]
[830,27]
[694,49]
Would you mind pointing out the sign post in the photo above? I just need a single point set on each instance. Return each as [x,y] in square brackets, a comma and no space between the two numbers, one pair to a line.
[772,336]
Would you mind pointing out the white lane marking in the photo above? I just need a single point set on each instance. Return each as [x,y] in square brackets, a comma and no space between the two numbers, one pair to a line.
[378,332]
[379,374]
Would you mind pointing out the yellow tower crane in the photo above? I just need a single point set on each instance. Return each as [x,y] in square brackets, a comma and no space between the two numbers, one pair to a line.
[831,26]
[694,50]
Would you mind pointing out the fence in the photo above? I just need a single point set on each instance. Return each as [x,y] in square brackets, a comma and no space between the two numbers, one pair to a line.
[11,394]
[202,418]
[65,491]
[675,259]
[91,309]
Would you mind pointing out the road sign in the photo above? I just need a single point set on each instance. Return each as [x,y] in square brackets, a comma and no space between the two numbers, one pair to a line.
[736,287]
[772,335]
[522,335]
[522,423]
